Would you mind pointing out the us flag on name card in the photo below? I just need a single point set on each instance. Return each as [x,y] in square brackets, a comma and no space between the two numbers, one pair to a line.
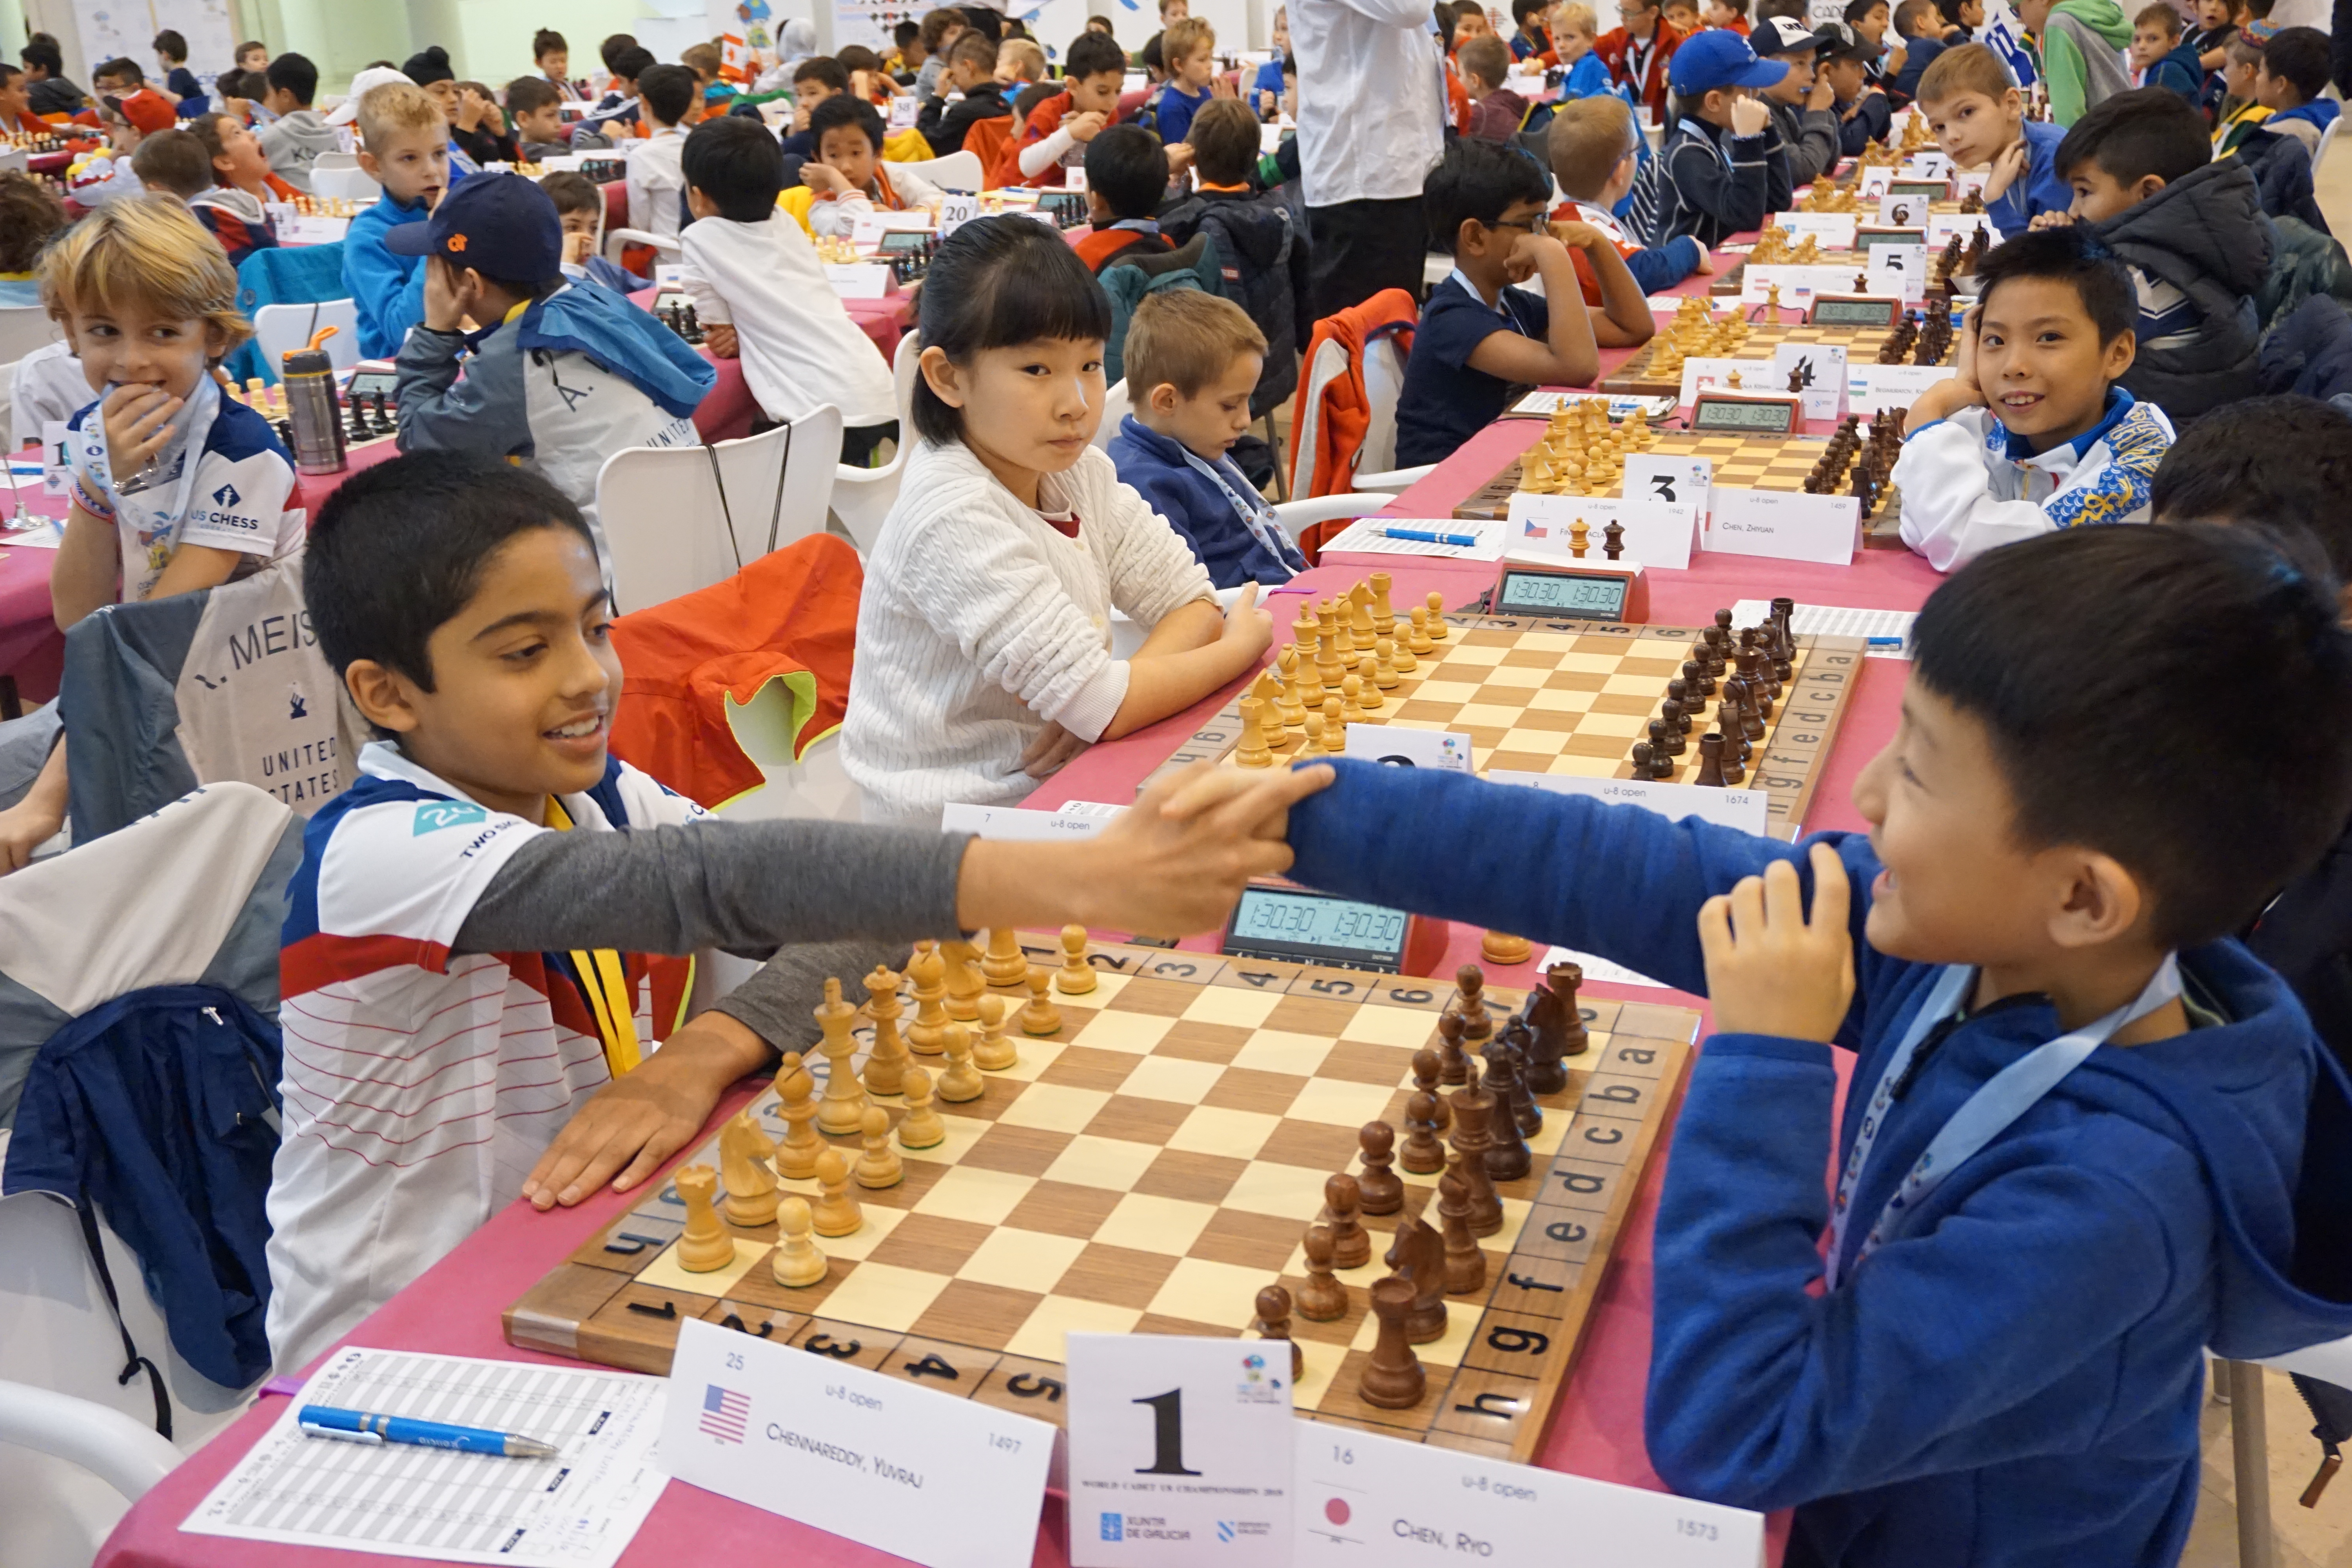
[724,1412]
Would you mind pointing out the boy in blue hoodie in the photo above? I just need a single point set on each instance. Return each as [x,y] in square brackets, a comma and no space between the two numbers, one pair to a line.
[2001,1358]
[404,147]
[1193,360]
[1979,117]
[2289,81]
[2158,57]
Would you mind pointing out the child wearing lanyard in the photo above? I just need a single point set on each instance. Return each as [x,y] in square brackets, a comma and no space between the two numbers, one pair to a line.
[1193,360]
[2069,1154]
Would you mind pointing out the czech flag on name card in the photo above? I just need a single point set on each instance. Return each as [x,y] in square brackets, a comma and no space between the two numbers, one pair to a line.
[1531,528]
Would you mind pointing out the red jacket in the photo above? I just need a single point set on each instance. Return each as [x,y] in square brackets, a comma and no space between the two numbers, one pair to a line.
[1335,426]
[1612,48]
[1043,121]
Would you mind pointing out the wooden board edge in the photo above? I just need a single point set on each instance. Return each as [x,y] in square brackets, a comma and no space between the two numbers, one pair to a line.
[1805,801]
[1564,1351]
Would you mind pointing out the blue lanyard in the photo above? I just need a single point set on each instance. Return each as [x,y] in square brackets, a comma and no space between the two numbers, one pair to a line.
[1258,520]
[2000,1100]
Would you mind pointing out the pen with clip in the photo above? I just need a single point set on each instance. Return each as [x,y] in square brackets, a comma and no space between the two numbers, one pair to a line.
[1430,536]
[359,1426]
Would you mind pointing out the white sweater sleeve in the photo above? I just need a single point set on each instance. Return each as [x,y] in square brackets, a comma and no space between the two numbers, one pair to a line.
[710,305]
[1949,513]
[838,218]
[1042,155]
[1152,571]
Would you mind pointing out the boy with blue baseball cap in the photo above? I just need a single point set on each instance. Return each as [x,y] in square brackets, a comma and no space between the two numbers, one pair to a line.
[1723,167]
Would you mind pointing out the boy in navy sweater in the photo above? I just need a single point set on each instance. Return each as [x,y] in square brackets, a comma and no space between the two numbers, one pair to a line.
[1193,360]
[1722,169]
[2080,804]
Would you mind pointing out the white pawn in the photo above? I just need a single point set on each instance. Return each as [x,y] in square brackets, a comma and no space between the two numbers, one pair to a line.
[795,1157]
[837,1213]
[994,1050]
[879,1165]
[962,1081]
[1077,976]
[798,1263]
[921,1128]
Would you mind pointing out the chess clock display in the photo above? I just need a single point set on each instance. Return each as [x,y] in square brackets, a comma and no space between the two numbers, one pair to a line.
[1856,310]
[1717,414]
[1277,921]
[1611,592]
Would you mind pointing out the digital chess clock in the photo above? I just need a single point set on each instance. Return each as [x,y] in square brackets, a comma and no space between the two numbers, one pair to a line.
[1856,310]
[1613,593]
[1869,239]
[1729,414]
[1300,925]
[1933,190]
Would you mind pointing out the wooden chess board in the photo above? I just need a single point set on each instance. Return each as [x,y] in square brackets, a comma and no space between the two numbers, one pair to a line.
[1572,697]
[1638,376]
[1741,462]
[1730,280]
[1148,1168]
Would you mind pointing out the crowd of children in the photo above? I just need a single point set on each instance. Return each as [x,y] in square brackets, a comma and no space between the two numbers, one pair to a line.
[2072,830]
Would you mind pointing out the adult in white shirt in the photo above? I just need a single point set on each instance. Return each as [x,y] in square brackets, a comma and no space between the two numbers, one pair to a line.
[1371,108]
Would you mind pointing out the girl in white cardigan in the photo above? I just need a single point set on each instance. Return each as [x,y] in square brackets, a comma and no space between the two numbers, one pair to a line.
[983,638]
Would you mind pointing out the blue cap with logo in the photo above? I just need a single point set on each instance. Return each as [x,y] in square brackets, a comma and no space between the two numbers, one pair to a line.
[502,225]
[1713,59]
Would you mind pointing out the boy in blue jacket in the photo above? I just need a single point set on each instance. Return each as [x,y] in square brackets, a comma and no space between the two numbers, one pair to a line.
[1979,118]
[404,147]
[2000,1360]
[1193,361]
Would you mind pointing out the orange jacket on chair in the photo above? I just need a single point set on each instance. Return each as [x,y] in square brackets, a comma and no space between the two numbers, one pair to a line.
[988,140]
[1342,415]
[790,615]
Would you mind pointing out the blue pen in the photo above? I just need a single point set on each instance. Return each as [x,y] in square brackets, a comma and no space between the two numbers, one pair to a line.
[358,1427]
[1427,536]
[1885,642]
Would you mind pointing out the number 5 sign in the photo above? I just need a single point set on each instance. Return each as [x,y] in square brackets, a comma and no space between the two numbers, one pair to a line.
[1181,1450]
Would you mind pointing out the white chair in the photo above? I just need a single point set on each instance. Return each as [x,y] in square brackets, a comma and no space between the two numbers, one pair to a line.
[958,171]
[22,331]
[120,1452]
[336,161]
[69,1468]
[349,184]
[862,498]
[2326,137]
[666,248]
[1297,516]
[1115,409]
[681,518]
[280,330]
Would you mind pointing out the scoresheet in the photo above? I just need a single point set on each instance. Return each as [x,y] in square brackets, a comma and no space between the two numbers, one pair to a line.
[577,1509]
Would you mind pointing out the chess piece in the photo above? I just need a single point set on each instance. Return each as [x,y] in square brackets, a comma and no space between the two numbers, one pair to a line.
[1252,751]
[1423,1155]
[795,1157]
[1384,614]
[962,1081]
[705,1247]
[1273,1323]
[1502,949]
[1426,1069]
[837,1214]
[1471,982]
[878,1166]
[1313,746]
[1645,762]
[1290,708]
[963,980]
[993,1051]
[1368,682]
[1453,1065]
[1077,976]
[928,970]
[1516,1040]
[1612,546]
[843,1108]
[1323,1299]
[1418,1254]
[1474,1116]
[1506,1157]
[798,1263]
[1579,535]
[743,1151]
[1465,1262]
[1710,762]
[1418,641]
[886,1059]
[1556,1027]
[1351,710]
[1352,1245]
[1379,1190]
[1393,1379]
[1335,721]
[1005,963]
[1327,654]
[921,1128]
[1041,1017]
[1436,622]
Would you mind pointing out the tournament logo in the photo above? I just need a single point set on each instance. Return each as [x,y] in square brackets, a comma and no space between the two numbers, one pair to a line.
[434,816]
[226,496]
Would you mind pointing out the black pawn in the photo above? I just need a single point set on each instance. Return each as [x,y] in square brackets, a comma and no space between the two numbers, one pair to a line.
[1645,762]
[1678,727]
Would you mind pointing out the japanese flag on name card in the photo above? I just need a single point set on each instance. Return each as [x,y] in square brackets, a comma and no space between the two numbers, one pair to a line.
[1900,269]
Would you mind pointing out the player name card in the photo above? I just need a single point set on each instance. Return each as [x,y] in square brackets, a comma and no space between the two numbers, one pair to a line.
[1369,1502]
[858,279]
[312,230]
[1444,751]
[1928,167]
[1747,810]
[1074,820]
[1798,285]
[945,1482]
[1832,231]
[1876,386]
[1784,525]
[1709,374]
[1181,1451]
[1819,371]
[1657,534]
[1899,270]
[1941,227]
[1875,182]
[904,111]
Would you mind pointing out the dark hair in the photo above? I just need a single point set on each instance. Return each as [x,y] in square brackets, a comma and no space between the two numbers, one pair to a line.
[1444,13]
[8,72]
[906,33]
[1855,10]
[547,41]
[1152,56]
[1224,140]
[2299,56]
[428,66]
[206,129]
[736,162]
[1950,11]
[1091,54]
[171,46]
[935,26]
[1129,167]
[573,192]
[2133,681]
[993,283]
[1911,17]
[1098,23]
[399,550]
[530,94]
[2283,462]
[823,69]
[2074,255]
[1035,93]
[973,49]
[120,69]
[2161,13]
[847,110]
[668,92]
[44,53]
[29,215]
[609,49]
[1481,180]
[293,73]
[248,85]
[1523,9]
[2133,134]
[632,63]
[248,47]
[858,58]
[174,161]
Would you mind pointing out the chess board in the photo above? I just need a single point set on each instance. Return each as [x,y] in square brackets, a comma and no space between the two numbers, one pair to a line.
[1639,377]
[1730,280]
[1741,462]
[1148,1168]
[1572,697]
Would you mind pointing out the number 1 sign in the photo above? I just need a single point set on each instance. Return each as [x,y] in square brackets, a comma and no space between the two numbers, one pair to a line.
[1181,1450]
